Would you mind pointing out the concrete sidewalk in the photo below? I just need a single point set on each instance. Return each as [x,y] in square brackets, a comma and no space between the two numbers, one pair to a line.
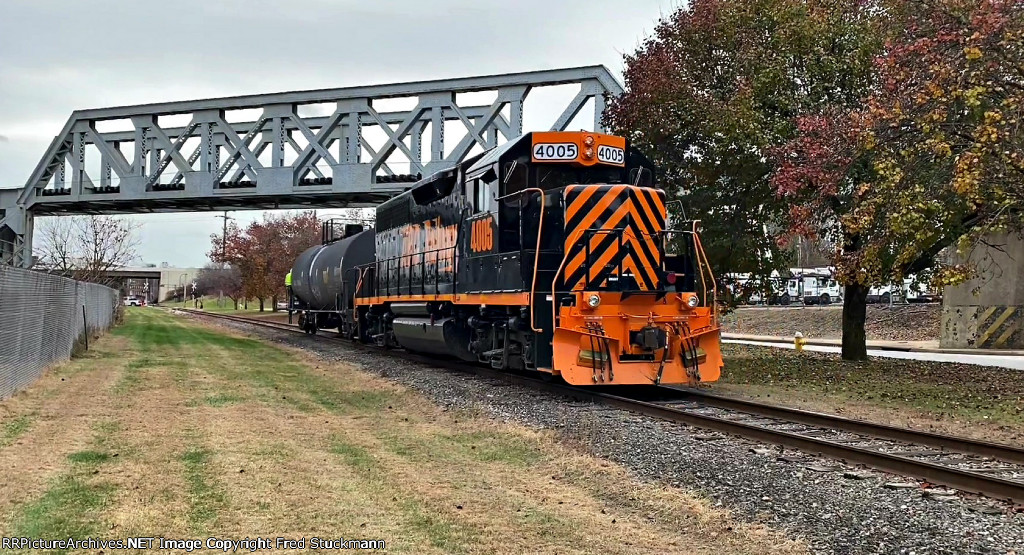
[902,346]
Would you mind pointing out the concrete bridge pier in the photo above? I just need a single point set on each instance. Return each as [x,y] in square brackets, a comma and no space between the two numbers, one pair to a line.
[987,312]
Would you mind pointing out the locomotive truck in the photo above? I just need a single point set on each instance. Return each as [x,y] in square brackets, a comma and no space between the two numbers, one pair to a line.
[549,253]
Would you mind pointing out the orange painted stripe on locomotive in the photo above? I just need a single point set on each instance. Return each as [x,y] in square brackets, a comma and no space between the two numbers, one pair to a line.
[659,201]
[654,221]
[510,299]
[578,202]
[609,197]
[598,210]
[598,266]
[629,264]
[581,253]
[650,266]
[653,215]
[634,261]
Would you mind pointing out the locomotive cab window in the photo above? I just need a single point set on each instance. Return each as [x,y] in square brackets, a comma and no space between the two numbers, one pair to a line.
[515,177]
[641,177]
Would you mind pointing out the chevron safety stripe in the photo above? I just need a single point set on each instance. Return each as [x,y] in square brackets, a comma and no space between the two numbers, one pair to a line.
[624,222]
[1000,327]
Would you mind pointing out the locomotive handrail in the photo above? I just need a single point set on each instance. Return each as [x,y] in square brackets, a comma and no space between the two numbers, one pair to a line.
[574,237]
[554,281]
[705,265]
[701,259]
[388,262]
[536,254]
[620,232]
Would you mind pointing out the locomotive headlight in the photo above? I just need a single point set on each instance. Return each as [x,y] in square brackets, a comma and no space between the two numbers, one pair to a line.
[691,301]
[588,140]
[593,301]
[589,153]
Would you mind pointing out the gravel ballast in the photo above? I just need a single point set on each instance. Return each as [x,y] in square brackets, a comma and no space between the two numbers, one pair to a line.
[834,507]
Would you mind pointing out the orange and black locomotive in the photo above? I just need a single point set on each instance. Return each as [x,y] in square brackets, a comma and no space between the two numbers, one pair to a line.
[549,253]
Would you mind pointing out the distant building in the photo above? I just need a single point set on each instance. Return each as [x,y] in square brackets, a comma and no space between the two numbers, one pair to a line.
[153,284]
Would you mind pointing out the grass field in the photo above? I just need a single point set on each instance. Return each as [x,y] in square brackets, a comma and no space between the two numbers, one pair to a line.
[973,401]
[227,306]
[175,429]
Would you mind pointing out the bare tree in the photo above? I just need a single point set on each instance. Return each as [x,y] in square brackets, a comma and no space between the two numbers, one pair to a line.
[220,279]
[87,247]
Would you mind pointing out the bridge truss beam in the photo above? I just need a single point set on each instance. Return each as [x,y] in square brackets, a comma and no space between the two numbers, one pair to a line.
[352,147]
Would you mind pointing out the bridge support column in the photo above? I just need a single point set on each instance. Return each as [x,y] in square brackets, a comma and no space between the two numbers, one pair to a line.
[15,230]
[987,312]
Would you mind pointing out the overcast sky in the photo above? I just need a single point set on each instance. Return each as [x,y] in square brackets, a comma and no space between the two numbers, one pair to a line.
[59,56]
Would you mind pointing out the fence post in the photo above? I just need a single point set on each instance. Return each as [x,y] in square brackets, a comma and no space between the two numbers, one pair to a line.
[85,328]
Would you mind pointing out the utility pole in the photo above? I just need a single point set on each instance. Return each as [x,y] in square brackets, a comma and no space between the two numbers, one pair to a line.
[224,237]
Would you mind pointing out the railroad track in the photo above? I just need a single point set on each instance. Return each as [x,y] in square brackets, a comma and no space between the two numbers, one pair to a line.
[969,465]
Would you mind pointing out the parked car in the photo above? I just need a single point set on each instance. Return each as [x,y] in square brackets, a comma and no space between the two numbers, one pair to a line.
[132,301]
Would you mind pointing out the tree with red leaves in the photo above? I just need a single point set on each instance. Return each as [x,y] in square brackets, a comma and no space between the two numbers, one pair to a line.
[264,252]
[932,159]
[220,279]
[718,87]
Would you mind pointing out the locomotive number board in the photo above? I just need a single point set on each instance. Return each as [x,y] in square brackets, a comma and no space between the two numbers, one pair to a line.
[579,147]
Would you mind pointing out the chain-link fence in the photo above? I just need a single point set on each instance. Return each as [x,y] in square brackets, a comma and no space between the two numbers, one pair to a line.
[42,318]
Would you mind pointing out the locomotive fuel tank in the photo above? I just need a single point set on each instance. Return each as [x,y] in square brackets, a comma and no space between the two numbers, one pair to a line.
[444,336]
[322,276]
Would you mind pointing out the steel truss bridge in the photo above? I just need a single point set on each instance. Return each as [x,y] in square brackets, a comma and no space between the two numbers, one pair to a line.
[324,148]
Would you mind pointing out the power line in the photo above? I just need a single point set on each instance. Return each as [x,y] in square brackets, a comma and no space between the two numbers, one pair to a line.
[224,238]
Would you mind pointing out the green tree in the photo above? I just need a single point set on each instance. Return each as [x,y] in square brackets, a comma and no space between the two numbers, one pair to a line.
[718,86]
[932,159]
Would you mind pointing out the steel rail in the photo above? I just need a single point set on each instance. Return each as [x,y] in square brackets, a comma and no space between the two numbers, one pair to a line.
[960,444]
[957,478]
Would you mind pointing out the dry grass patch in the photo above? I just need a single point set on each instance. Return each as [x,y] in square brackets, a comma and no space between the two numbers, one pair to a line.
[212,433]
[461,483]
[53,418]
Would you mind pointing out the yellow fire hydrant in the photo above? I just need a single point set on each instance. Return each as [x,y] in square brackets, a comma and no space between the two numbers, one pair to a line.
[799,341]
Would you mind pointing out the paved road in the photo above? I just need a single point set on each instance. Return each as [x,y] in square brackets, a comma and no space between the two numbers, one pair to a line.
[1014,362]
